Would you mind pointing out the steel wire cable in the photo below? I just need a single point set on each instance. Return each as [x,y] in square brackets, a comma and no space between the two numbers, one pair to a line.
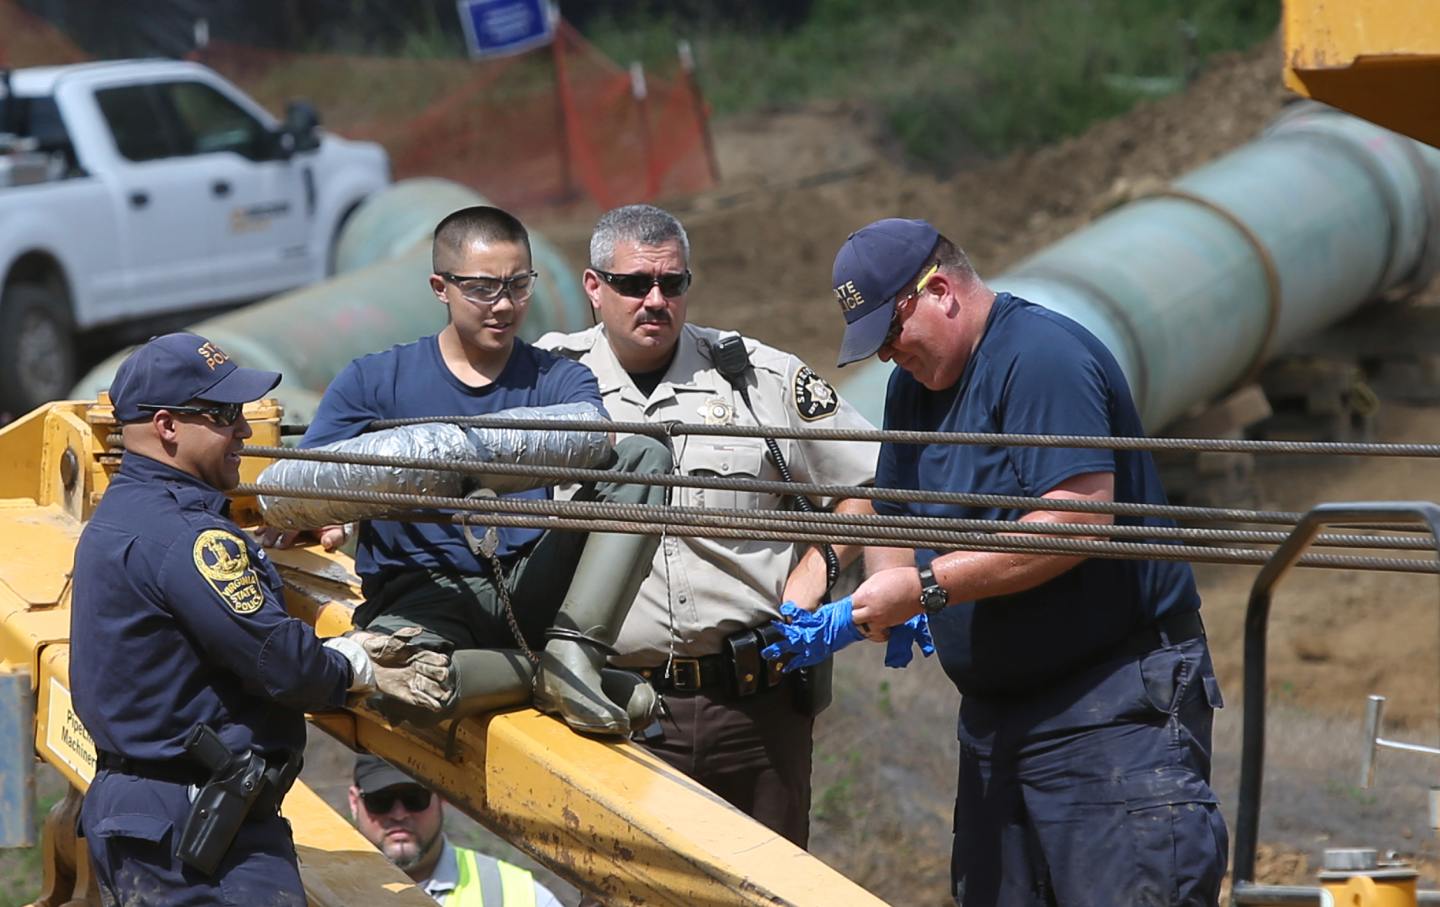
[1116,551]
[652,519]
[1038,527]
[765,486]
[1000,439]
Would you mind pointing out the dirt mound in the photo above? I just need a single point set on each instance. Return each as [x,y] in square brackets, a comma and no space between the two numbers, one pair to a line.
[796,184]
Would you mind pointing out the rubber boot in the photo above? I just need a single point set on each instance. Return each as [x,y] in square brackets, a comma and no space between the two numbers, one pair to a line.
[487,680]
[568,681]
[642,703]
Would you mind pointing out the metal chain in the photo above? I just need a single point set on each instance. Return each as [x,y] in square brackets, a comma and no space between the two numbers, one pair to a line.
[487,546]
[984,439]
[503,589]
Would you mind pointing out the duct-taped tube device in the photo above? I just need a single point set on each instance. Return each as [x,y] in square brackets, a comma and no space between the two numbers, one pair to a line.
[437,441]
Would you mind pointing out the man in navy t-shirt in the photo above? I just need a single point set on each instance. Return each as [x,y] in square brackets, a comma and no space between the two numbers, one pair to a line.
[428,574]
[1087,688]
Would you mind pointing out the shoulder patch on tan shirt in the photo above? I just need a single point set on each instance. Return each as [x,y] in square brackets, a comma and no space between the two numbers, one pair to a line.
[814,397]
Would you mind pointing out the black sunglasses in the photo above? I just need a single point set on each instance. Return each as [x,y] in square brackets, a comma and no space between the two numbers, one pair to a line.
[223,414]
[637,286]
[414,799]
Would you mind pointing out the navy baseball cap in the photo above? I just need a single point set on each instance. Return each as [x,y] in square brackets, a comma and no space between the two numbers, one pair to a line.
[174,369]
[373,773]
[871,269]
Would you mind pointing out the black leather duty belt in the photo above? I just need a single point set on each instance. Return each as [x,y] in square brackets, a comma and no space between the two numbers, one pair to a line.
[172,771]
[712,674]
[1170,630]
[738,670]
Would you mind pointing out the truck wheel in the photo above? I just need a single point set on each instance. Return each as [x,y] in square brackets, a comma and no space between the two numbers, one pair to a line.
[37,348]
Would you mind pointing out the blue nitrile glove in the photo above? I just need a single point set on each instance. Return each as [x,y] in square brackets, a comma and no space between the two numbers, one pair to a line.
[915,631]
[810,638]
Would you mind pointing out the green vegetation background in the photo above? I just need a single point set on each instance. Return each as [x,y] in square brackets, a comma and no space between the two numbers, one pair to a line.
[954,76]
[949,78]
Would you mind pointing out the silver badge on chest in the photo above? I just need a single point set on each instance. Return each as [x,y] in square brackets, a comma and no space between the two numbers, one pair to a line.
[717,411]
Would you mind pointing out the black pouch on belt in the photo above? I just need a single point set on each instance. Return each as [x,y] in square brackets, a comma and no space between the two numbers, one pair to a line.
[744,651]
[814,688]
[220,808]
[279,777]
[810,686]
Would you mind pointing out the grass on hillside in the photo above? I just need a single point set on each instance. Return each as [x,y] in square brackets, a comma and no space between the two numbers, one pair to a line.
[20,869]
[955,77]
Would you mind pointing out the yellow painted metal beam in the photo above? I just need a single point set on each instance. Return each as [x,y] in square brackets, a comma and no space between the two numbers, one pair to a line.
[607,816]
[337,865]
[1377,59]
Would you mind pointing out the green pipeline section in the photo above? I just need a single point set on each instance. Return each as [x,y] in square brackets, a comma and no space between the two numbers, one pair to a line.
[1197,285]
[379,297]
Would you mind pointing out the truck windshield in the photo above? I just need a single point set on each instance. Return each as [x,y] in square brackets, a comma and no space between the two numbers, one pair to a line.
[37,118]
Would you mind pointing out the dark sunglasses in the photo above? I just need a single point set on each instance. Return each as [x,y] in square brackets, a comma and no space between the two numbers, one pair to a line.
[223,414]
[414,799]
[637,286]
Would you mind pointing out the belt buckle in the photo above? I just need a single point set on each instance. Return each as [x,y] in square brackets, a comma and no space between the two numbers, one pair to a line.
[685,674]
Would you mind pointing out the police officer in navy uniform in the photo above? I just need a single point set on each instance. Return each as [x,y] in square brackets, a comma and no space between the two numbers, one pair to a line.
[1087,687]
[177,621]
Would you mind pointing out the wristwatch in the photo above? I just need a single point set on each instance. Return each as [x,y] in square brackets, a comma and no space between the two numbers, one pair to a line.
[933,597]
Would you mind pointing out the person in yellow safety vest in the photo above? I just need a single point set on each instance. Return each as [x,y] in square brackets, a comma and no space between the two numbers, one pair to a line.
[405,821]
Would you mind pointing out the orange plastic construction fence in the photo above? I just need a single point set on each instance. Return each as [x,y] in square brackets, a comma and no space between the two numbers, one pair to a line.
[28,40]
[556,125]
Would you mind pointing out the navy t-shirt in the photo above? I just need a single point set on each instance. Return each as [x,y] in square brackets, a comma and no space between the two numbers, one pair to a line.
[1034,372]
[412,381]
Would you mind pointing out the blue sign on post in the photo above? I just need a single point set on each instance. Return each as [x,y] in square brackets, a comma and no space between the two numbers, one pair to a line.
[494,28]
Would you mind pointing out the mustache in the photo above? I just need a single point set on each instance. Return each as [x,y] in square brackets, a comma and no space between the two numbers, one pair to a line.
[661,317]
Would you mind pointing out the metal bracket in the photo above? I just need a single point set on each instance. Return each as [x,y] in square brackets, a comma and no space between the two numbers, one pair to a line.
[17,759]
[1257,618]
[1374,714]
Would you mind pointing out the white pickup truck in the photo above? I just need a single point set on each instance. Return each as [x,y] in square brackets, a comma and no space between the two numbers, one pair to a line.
[136,194]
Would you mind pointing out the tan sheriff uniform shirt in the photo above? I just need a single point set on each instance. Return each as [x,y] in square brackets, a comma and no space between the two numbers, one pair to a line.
[706,589]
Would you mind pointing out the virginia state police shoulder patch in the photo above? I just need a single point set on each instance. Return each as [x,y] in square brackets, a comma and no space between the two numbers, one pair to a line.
[222,558]
[814,397]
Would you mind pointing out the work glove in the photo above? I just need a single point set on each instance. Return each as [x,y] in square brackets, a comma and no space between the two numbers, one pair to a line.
[406,672]
[812,637]
[899,649]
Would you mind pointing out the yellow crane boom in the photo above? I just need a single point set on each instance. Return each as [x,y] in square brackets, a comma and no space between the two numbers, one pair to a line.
[1377,59]
[607,816]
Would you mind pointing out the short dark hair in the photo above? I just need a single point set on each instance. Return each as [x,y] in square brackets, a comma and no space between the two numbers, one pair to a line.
[479,222]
